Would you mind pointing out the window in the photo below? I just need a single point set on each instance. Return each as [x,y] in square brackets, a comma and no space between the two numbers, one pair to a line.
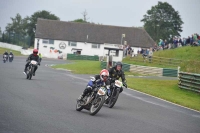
[72,44]
[47,41]
[51,41]
[95,45]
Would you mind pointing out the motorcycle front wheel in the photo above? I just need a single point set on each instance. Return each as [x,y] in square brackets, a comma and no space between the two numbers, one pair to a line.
[113,99]
[78,106]
[96,106]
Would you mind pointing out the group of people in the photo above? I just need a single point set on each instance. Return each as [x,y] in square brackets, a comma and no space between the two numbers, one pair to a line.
[106,77]
[193,40]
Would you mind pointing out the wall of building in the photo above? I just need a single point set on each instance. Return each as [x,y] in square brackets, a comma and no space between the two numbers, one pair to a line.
[86,49]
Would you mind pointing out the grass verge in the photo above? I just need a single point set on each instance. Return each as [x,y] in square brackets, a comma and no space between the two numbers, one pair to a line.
[168,90]
[16,53]
[165,89]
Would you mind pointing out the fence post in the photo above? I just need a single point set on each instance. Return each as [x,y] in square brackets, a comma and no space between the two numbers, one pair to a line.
[178,71]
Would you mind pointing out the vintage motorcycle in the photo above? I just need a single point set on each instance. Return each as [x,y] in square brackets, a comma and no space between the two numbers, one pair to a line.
[10,58]
[114,94]
[5,58]
[30,69]
[93,101]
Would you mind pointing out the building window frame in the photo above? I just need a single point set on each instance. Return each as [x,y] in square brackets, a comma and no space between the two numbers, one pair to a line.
[72,44]
[47,41]
[95,46]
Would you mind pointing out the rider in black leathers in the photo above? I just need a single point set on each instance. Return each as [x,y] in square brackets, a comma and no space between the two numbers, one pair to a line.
[12,55]
[6,53]
[116,72]
[34,57]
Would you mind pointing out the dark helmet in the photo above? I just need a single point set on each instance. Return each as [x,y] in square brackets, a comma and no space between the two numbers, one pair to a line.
[117,64]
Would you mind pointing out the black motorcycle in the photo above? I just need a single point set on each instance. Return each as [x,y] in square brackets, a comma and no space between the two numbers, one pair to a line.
[5,58]
[10,58]
[30,69]
[93,101]
[114,94]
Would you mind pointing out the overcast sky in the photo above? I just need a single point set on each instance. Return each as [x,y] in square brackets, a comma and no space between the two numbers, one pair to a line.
[107,12]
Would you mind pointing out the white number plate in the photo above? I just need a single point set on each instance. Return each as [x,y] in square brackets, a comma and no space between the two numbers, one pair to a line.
[33,62]
[101,91]
[118,83]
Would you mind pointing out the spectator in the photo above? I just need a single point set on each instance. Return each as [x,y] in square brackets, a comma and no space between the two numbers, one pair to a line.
[184,41]
[160,43]
[179,42]
[194,37]
[129,50]
[150,54]
[191,40]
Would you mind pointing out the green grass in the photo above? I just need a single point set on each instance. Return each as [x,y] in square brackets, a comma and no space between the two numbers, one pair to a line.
[183,53]
[82,67]
[189,55]
[165,89]
[16,53]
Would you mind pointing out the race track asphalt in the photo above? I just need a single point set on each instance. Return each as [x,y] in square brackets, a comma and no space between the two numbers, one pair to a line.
[46,104]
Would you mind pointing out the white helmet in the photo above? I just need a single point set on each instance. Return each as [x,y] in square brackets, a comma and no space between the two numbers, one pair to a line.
[104,74]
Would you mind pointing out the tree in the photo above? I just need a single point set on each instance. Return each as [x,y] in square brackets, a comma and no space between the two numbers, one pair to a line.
[17,26]
[16,30]
[85,16]
[31,26]
[162,21]
[80,21]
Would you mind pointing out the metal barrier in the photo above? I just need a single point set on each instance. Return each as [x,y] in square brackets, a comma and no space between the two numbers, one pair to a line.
[82,57]
[189,81]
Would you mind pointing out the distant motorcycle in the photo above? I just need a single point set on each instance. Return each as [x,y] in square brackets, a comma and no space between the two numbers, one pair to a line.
[115,89]
[93,101]
[10,58]
[5,57]
[30,69]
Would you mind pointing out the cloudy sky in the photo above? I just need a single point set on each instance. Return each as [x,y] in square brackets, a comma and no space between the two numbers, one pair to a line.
[108,12]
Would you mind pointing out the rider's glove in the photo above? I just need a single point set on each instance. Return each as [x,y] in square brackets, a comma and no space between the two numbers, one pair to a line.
[124,84]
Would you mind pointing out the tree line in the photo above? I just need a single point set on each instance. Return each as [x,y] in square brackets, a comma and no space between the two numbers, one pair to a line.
[162,21]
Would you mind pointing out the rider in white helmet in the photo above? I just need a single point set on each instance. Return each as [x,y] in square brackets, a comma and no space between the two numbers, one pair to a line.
[101,79]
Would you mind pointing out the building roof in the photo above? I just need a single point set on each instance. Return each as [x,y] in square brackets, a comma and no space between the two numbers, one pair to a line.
[92,33]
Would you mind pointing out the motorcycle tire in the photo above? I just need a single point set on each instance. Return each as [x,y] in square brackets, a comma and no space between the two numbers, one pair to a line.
[78,106]
[31,73]
[113,99]
[93,112]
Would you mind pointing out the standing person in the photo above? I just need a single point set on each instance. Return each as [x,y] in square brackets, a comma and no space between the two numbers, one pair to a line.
[150,54]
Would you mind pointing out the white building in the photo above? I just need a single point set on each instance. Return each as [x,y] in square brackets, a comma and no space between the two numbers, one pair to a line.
[53,36]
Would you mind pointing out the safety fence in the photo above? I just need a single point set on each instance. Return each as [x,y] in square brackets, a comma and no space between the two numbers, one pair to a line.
[189,81]
[145,70]
[82,57]
[157,60]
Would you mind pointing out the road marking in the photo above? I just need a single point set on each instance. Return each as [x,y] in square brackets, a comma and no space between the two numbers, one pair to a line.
[164,100]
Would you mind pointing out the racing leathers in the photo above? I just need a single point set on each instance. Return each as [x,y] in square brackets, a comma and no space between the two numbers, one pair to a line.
[116,74]
[32,57]
[92,84]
